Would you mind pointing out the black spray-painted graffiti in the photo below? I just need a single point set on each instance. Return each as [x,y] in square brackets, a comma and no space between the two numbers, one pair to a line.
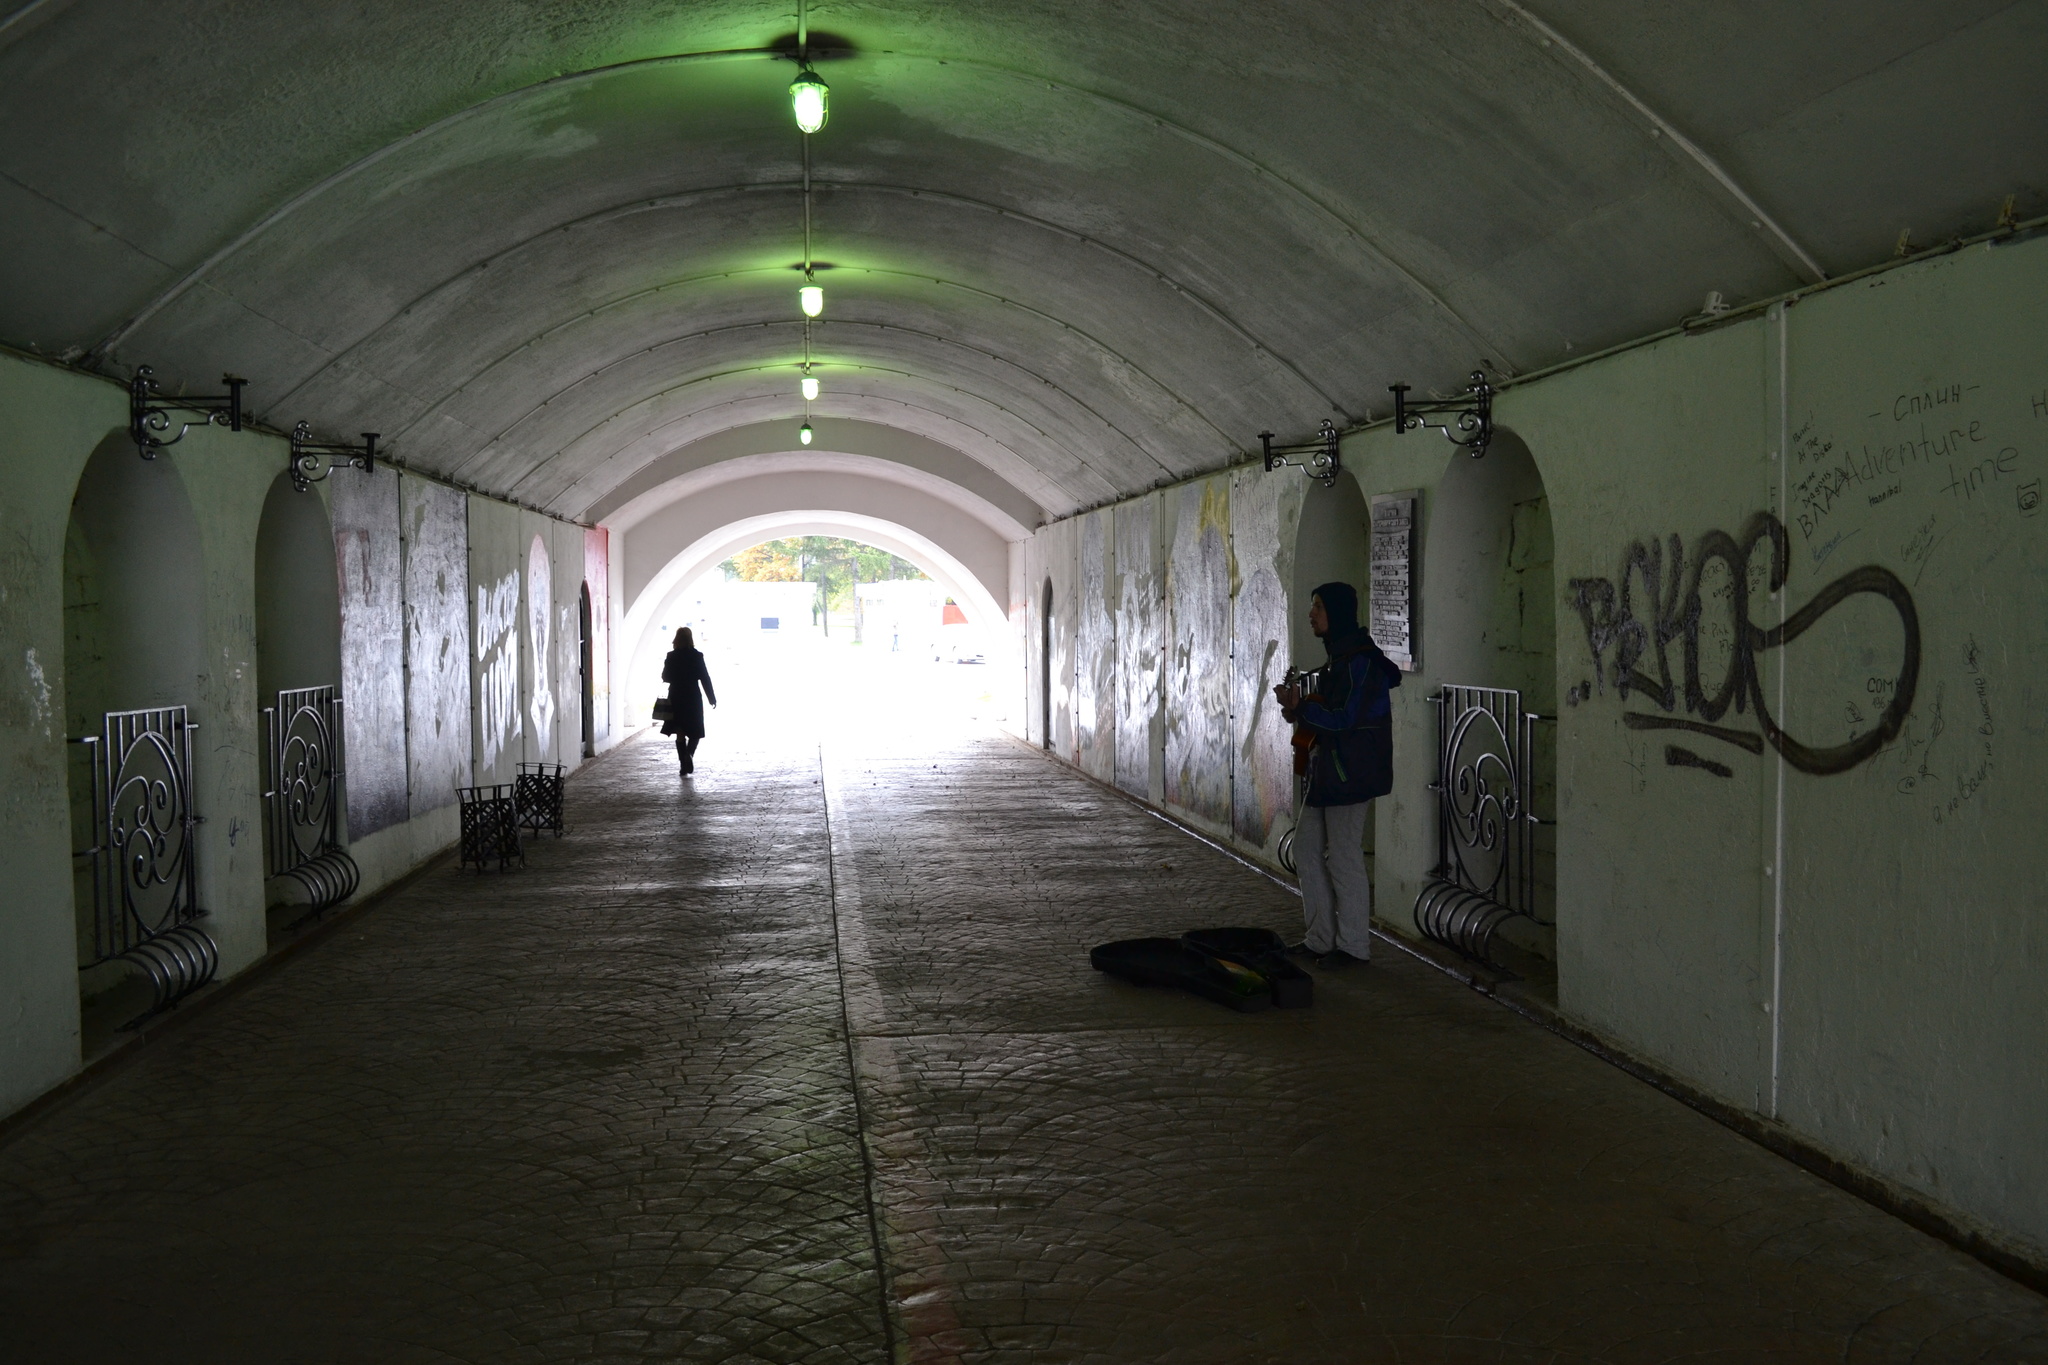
[1673,612]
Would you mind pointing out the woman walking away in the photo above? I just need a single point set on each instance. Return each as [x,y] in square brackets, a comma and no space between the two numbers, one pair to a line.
[683,671]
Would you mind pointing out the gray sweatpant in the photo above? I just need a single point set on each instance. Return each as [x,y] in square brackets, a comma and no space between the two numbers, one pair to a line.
[1336,893]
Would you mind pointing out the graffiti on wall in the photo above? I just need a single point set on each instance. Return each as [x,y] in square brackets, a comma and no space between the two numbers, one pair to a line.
[436,523]
[369,559]
[497,660]
[1095,663]
[1698,614]
[1197,744]
[540,596]
[1139,641]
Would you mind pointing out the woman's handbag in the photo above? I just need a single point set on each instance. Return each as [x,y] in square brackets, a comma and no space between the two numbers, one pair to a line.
[662,709]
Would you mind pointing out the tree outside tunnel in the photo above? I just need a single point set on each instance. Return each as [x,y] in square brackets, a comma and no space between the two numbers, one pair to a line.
[653,612]
[919,628]
[837,565]
[896,653]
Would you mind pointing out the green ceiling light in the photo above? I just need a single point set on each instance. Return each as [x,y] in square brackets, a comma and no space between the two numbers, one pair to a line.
[804,433]
[812,297]
[810,387]
[809,97]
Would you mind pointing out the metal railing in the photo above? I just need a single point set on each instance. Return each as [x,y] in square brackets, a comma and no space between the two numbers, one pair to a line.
[145,886]
[303,804]
[1485,872]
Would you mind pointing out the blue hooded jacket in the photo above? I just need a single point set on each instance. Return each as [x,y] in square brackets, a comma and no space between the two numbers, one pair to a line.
[1352,714]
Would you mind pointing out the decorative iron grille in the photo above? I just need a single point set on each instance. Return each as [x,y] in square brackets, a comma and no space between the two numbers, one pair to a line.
[145,886]
[1486,865]
[303,804]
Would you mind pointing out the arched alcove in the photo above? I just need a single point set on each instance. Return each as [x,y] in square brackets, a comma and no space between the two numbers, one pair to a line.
[1489,619]
[1331,545]
[1045,666]
[586,677]
[298,599]
[298,649]
[134,590]
[134,622]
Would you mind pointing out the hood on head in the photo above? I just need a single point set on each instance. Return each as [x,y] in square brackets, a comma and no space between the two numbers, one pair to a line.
[1340,604]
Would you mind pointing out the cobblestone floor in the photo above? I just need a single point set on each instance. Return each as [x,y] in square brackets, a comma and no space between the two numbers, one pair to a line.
[603,1110]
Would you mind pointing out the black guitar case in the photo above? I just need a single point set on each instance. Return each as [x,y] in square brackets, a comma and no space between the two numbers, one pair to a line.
[1246,969]
[1170,962]
[1265,952]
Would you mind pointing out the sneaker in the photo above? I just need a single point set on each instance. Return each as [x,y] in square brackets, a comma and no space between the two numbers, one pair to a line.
[1337,959]
[1302,950]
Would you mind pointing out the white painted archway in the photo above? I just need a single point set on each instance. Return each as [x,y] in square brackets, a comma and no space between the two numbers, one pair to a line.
[641,644]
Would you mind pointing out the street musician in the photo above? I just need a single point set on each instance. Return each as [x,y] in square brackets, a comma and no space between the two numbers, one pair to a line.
[1346,727]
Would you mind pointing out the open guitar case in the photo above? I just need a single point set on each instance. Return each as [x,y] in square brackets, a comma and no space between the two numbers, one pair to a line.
[1246,969]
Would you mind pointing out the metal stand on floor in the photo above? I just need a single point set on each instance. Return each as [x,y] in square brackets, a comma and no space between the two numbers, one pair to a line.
[538,790]
[1485,873]
[304,800]
[490,826]
[145,909]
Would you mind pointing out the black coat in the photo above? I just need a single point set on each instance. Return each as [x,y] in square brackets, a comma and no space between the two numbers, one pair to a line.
[683,671]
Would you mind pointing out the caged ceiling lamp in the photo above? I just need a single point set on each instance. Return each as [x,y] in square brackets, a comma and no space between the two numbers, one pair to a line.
[810,387]
[804,433]
[812,298]
[810,100]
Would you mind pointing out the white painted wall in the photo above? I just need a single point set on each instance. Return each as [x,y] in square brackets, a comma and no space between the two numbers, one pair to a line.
[199,578]
[1853,954]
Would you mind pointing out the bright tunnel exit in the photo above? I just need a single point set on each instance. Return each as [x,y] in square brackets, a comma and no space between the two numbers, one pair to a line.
[807,637]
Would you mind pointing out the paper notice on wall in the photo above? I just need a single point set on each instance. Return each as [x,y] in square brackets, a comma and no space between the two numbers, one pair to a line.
[1391,601]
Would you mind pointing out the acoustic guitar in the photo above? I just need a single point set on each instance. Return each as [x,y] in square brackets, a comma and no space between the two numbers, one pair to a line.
[1304,736]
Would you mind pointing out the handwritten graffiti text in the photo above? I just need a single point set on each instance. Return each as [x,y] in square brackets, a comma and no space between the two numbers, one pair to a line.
[1632,626]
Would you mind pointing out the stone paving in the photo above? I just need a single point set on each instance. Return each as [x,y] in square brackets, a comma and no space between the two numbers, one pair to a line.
[604,1110]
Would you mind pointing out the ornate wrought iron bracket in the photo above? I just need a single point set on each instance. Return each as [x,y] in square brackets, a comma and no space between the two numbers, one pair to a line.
[149,413]
[1471,414]
[312,461]
[1322,463]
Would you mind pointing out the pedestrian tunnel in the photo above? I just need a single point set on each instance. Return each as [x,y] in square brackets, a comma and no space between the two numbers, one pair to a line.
[1666,381]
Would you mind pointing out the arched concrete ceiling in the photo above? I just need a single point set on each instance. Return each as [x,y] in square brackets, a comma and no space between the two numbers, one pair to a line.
[1094,247]
[873,449]
[759,488]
